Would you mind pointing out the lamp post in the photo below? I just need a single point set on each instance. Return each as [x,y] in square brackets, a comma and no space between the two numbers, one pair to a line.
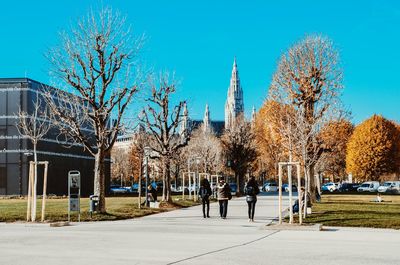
[197,176]
[147,150]
[189,180]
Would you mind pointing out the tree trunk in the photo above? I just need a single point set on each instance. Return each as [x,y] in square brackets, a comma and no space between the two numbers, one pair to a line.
[99,181]
[35,179]
[167,180]
[237,178]
[312,185]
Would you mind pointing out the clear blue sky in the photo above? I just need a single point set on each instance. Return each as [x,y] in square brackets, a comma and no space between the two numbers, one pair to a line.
[198,40]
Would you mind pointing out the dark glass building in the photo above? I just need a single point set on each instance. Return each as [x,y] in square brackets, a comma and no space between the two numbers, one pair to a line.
[16,151]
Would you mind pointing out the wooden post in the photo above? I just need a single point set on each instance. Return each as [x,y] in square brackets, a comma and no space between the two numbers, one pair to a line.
[46,164]
[183,185]
[280,194]
[299,193]
[28,210]
[290,193]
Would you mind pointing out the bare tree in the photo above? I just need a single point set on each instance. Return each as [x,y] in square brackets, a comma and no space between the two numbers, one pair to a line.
[35,126]
[163,123]
[309,79]
[97,63]
[204,144]
[121,167]
[238,144]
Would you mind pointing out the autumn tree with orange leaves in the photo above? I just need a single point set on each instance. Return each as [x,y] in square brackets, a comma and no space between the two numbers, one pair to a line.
[335,136]
[374,149]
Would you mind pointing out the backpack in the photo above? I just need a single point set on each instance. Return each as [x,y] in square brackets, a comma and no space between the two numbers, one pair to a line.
[203,193]
[250,191]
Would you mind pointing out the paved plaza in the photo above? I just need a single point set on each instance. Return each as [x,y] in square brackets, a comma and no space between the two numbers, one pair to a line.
[184,237]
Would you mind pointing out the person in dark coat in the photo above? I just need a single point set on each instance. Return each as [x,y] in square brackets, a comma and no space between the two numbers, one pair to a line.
[152,193]
[251,190]
[205,193]
[303,195]
[223,195]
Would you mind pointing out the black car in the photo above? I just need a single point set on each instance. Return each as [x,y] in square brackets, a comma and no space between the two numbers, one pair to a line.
[349,187]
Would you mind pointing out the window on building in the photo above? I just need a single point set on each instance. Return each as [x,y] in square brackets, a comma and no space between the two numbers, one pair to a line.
[3,178]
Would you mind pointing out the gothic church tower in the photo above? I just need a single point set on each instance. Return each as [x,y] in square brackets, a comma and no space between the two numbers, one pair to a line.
[234,103]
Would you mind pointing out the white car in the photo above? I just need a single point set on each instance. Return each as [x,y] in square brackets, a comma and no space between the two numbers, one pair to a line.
[270,186]
[371,186]
[389,186]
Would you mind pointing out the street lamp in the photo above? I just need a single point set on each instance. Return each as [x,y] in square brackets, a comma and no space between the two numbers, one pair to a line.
[147,151]
[196,177]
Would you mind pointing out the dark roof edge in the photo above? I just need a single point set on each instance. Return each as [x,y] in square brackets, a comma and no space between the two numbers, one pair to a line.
[20,80]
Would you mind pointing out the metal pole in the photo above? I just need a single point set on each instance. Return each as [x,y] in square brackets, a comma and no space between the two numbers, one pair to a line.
[69,198]
[183,185]
[280,194]
[196,181]
[190,180]
[298,193]
[147,179]
[290,193]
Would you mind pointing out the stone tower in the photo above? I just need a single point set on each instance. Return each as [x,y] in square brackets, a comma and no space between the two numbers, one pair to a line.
[183,129]
[206,120]
[253,117]
[234,103]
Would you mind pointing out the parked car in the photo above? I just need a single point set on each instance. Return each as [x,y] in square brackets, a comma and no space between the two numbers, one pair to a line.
[179,189]
[174,188]
[371,186]
[135,188]
[116,189]
[285,188]
[389,186]
[233,187]
[349,187]
[270,186]
[330,186]
[394,188]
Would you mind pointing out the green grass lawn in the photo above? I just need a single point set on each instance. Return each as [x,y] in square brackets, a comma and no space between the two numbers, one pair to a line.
[357,211]
[118,208]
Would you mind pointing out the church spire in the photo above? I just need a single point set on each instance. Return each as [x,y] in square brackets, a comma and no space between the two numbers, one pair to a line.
[234,103]
[184,122]
[206,120]
[253,117]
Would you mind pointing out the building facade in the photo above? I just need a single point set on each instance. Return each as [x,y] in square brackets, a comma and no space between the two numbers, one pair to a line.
[16,151]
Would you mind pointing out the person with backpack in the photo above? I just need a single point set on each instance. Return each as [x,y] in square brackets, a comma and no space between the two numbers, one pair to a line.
[251,191]
[205,193]
[223,195]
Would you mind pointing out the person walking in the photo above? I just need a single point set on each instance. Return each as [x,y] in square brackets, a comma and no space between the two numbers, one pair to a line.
[251,190]
[205,193]
[223,195]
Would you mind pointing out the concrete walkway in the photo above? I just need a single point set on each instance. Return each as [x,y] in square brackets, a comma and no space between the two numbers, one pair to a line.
[184,237]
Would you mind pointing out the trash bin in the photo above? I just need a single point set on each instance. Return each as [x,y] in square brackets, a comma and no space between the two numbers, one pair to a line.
[93,204]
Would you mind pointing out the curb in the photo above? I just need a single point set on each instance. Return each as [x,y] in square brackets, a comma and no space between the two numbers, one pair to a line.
[294,227]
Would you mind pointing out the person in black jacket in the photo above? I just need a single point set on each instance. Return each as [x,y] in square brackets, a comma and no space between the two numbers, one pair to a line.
[205,193]
[152,193]
[251,190]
